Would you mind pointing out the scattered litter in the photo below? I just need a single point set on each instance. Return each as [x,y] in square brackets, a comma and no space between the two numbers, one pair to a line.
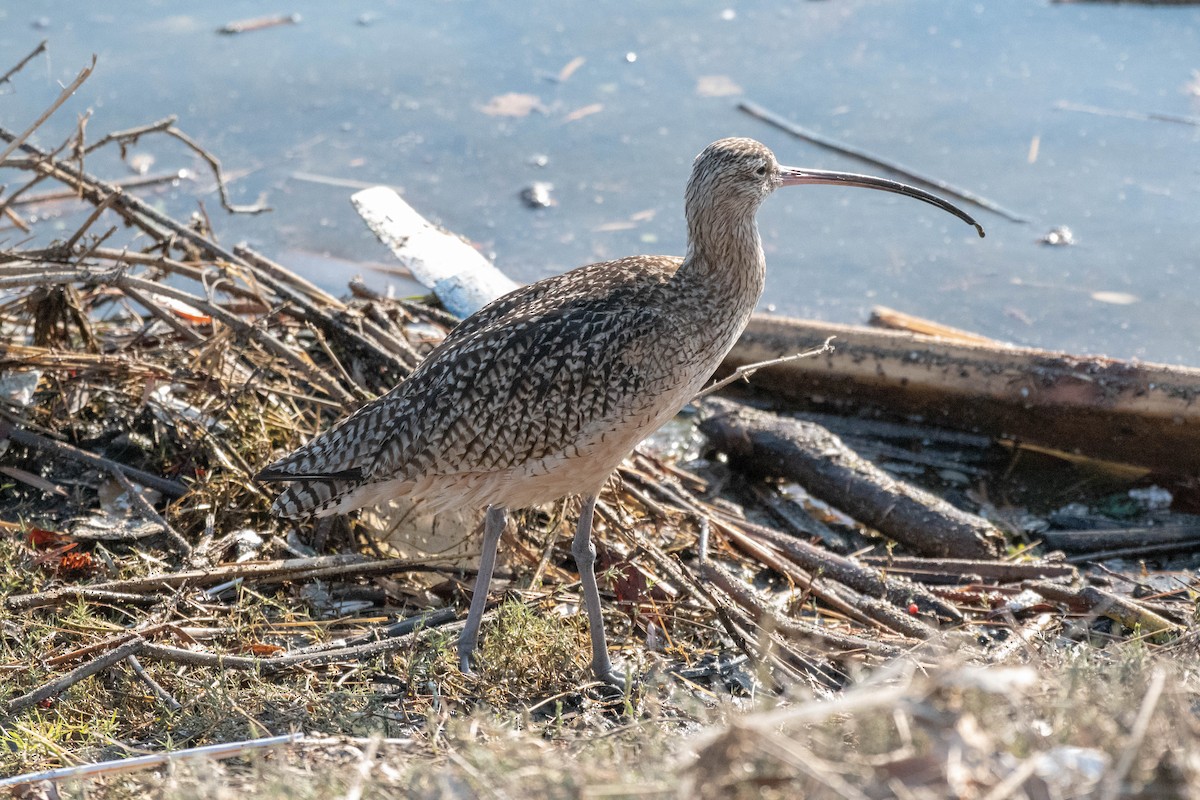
[169,409]
[115,500]
[247,544]
[584,111]
[258,24]
[113,526]
[1154,498]
[1115,298]
[17,386]
[512,104]
[141,163]
[1072,771]
[1060,236]
[717,86]
[569,69]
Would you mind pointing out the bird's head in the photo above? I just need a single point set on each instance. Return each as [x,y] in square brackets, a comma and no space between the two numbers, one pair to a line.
[739,171]
[737,174]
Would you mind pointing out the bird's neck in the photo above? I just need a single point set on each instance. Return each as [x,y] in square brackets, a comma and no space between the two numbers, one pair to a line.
[724,265]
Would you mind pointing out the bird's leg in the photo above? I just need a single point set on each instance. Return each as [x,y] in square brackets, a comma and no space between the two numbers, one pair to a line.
[493,527]
[585,557]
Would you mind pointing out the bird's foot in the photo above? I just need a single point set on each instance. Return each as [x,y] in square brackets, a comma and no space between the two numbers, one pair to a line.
[612,679]
[466,662]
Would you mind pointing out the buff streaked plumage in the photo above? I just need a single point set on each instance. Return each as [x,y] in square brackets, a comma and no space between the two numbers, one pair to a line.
[573,357]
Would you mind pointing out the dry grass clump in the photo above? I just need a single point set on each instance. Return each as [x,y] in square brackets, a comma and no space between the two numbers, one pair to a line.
[531,664]
[1070,724]
[535,647]
[1060,730]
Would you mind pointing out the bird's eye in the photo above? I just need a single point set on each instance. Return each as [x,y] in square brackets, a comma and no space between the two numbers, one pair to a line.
[761,171]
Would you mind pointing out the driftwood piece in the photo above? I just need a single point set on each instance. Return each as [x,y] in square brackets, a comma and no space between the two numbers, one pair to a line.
[838,596]
[798,631]
[958,571]
[766,445]
[463,279]
[394,637]
[60,685]
[868,580]
[310,657]
[1141,551]
[83,773]
[890,318]
[1129,412]
[166,697]
[106,644]
[26,438]
[800,561]
[1133,539]
[1124,610]
[259,572]
[1024,638]
[796,519]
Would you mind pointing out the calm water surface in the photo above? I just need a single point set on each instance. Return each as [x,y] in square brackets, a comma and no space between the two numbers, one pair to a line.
[395,93]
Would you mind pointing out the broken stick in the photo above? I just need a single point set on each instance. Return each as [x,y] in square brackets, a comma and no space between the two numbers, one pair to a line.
[766,445]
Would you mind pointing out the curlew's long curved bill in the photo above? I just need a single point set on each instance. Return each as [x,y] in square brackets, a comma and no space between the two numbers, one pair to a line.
[793,176]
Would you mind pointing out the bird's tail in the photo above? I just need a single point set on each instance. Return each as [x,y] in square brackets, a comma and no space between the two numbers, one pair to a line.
[312,497]
[311,492]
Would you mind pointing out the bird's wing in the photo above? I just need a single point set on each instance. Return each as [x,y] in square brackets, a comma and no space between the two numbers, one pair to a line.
[529,384]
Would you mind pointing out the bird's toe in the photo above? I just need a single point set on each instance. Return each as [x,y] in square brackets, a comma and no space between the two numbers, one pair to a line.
[612,679]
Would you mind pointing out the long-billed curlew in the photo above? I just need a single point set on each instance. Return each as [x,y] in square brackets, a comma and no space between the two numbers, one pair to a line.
[543,392]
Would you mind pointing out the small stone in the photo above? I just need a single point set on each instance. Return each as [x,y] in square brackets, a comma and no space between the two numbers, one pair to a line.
[537,195]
